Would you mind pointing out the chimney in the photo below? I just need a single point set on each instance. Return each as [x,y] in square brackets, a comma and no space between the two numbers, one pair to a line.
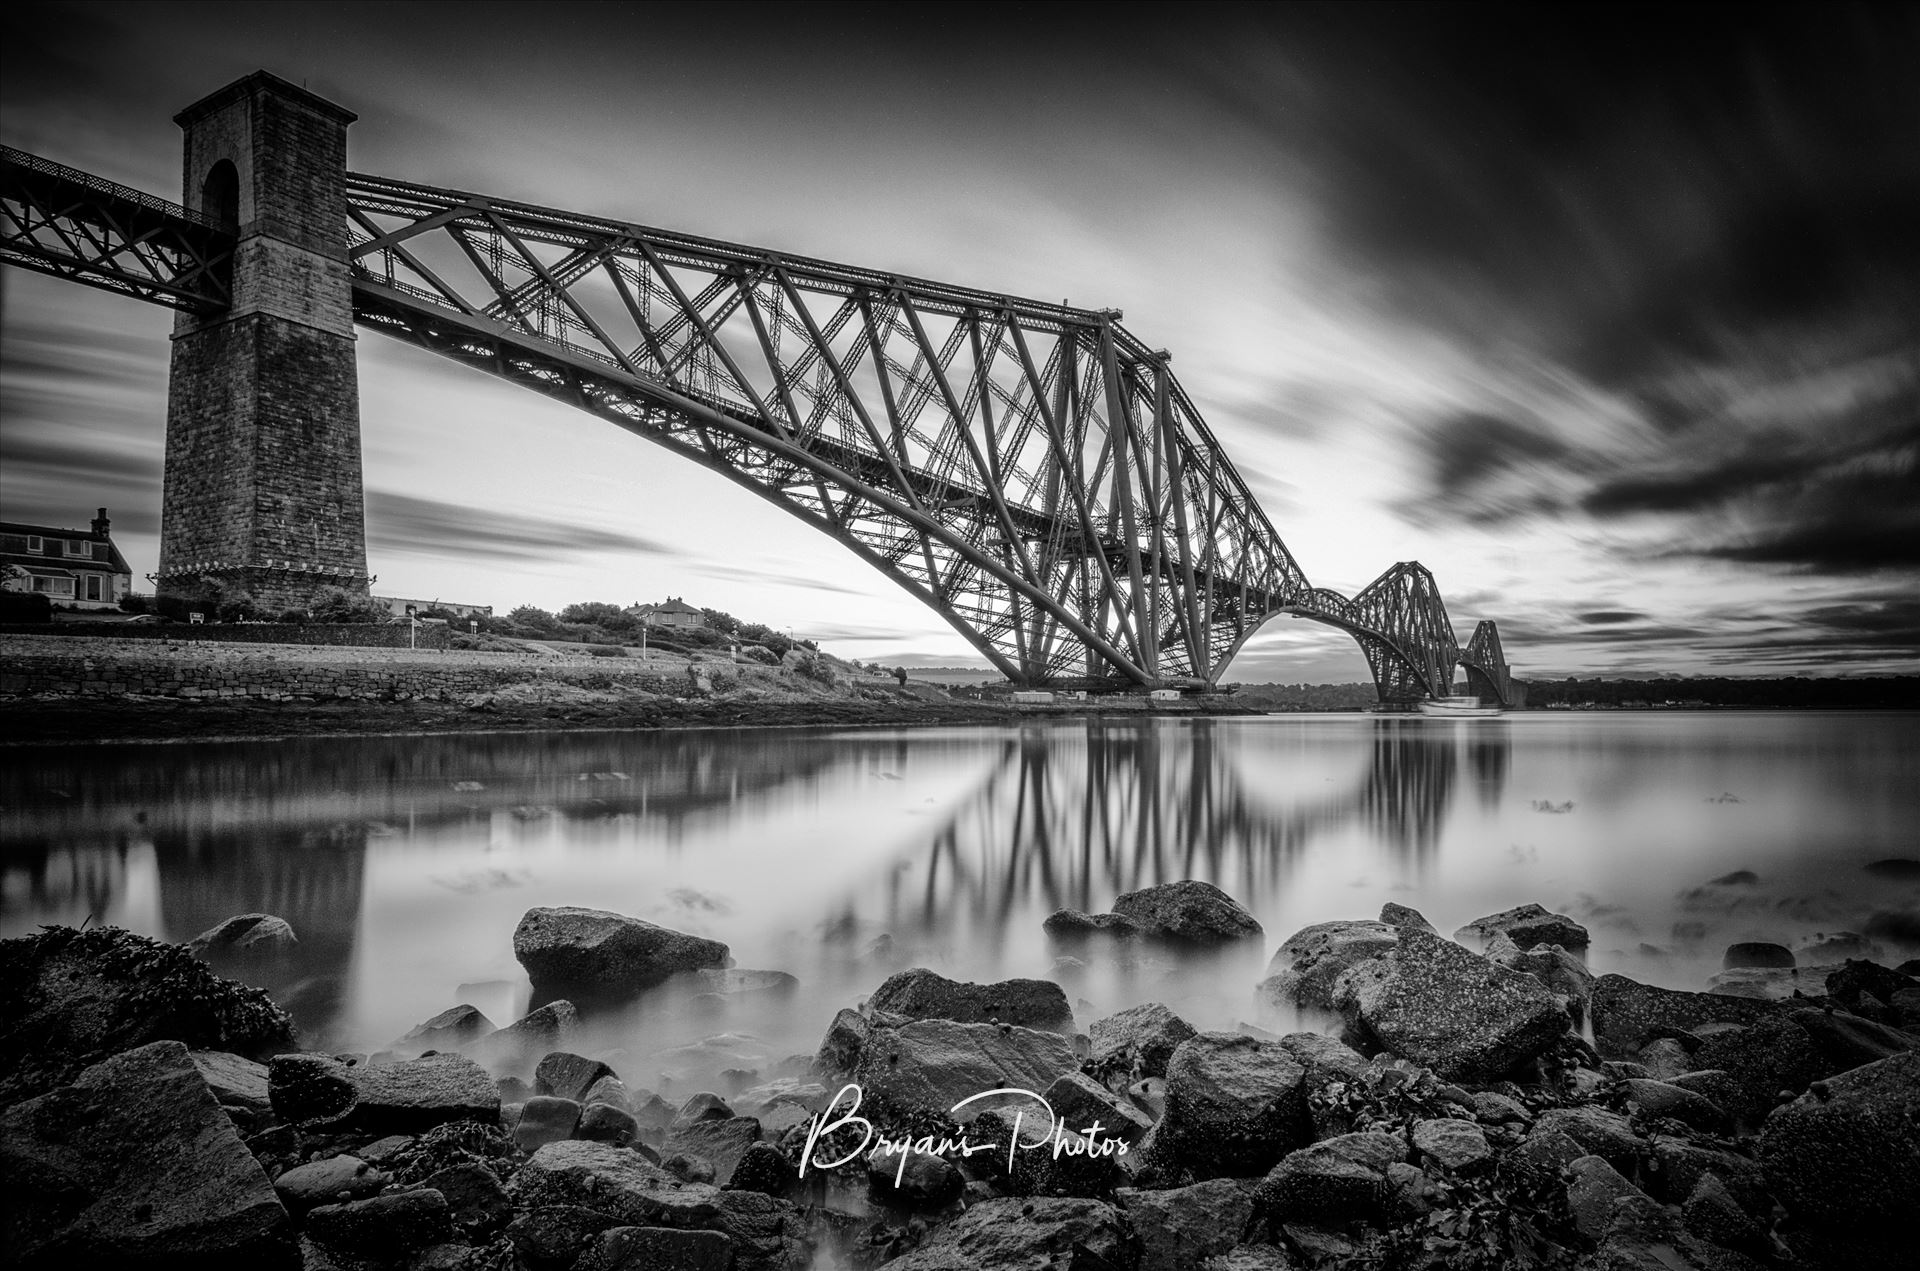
[101,525]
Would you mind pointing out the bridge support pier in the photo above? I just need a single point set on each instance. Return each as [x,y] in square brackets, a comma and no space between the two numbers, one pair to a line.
[263,479]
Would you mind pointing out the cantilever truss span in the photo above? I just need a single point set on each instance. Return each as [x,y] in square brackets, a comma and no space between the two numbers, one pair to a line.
[1033,472]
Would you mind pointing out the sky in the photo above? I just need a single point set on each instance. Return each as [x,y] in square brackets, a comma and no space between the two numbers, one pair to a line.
[1608,315]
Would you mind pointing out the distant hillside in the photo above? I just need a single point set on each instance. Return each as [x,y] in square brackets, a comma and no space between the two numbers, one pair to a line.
[1305,697]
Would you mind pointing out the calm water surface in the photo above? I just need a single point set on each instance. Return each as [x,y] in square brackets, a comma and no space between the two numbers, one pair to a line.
[404,863]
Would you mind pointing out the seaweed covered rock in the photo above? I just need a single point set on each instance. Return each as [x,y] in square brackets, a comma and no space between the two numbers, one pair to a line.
[1188,910]
[922,994]
[135,1164]
[592,954]
[72,998]
[1439,1005]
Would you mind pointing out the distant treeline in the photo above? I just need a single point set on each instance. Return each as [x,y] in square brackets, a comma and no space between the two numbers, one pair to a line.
[1896,692]
[1901,692]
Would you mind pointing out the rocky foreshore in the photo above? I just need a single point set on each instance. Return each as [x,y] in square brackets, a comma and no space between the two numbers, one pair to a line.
[1475,1102]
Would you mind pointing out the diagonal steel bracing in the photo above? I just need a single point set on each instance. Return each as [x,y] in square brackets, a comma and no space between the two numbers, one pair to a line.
[1033,472]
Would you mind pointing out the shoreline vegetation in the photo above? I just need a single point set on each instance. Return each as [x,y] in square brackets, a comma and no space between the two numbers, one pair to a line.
[63,688]
[1473,1103]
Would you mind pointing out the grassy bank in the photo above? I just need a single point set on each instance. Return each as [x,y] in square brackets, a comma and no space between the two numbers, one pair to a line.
[74,689]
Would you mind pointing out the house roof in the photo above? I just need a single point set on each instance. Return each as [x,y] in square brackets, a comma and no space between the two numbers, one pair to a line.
[115,562]
[675,605]
[47,571]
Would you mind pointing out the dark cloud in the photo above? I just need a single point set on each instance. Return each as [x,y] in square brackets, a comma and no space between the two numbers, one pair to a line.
[1607,617]
[31,459]
[774,578]
[405,523]
[1467,450]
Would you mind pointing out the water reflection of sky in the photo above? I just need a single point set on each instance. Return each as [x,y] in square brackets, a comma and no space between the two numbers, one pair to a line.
[404,863]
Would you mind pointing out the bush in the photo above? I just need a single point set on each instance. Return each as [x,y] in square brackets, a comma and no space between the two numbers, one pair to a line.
[25,606]
[337,604]
[134,602]
[606,650]
[292,617]
[815,668]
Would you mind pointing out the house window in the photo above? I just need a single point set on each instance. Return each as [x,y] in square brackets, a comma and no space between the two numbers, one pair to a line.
[36,544]
[54,586]
[93,587]
[79,547]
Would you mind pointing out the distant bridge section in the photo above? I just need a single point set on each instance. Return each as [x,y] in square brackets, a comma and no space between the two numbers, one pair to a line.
[1032,472]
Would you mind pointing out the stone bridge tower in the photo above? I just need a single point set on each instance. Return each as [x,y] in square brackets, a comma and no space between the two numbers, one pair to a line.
[263,479]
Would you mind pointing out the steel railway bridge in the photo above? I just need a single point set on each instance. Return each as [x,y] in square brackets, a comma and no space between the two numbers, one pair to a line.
[1033,472]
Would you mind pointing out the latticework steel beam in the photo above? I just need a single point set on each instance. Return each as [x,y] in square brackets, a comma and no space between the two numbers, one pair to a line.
[1033,472]
[61,221]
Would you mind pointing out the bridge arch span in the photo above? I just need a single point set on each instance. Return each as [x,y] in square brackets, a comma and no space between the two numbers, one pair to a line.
[1033,472]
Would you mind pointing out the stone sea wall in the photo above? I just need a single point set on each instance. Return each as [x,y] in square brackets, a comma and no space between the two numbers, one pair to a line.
[370,635]
[69,668]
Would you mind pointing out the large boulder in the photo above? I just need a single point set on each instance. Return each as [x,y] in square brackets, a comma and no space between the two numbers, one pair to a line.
[1335,1181]
[719,1141]
[1071,925]
[246,937]
[1179,1228]
[1021,1234]
[1304,968]
[1527,926]
[1758,1062]
[515,1050]
[1139,1040]
[922,994]
[1848,1151]
[1188,910]
[449,1030]
[934,1064]
[398,1098]
[1439,1005]
[1564,975]
[1083,1104]
[1235,1106]
[1626,1014]
[135,1164]
[1773,984]
[594,954]
[72,998]
[767,1234]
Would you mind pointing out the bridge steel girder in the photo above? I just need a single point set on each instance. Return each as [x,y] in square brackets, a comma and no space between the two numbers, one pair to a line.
[70,224]
[1033,472]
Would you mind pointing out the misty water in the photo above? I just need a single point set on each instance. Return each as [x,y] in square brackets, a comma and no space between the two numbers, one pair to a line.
[404,863]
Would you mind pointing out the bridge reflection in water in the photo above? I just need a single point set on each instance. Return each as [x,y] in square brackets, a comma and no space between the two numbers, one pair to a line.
[403,863]
[1070,818]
